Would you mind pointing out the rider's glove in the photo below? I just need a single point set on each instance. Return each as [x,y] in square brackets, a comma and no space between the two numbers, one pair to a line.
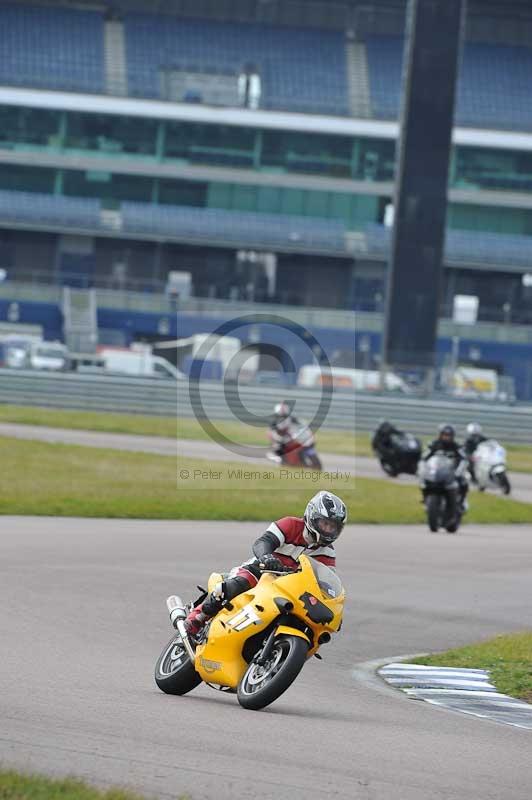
[270,562]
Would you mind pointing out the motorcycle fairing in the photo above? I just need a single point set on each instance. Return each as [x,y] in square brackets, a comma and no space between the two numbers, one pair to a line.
[253,612]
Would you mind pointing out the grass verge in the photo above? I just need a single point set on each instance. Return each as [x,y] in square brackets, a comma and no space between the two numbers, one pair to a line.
[14,786]
[69,480]
[338,442]
[508,659]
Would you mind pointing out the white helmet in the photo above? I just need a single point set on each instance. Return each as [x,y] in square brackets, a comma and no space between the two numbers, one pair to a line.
[325,516]
[281,410]
[473,429]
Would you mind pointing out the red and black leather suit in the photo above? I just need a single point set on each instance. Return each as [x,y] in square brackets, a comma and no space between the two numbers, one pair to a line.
[285,541]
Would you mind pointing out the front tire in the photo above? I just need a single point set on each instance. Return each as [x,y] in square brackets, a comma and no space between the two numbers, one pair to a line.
[315,463]
[260,686]
[433,503]
[504,483]
[174,673]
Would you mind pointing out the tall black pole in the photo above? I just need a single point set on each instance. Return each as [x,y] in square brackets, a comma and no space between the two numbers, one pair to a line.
[434,34]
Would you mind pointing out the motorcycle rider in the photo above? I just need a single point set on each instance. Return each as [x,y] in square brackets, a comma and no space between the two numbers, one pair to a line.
[278,548]
[382,439]
[283,427]
[447,444]
[474,438]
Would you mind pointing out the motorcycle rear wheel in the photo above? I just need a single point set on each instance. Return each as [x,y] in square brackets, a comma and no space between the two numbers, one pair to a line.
[389,469]
[261,685]
[174,673]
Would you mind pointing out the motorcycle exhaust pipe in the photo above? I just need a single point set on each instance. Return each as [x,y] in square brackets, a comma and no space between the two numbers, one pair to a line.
[176,609]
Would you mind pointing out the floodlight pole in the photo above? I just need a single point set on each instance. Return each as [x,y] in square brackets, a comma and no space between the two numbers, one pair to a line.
[434,35]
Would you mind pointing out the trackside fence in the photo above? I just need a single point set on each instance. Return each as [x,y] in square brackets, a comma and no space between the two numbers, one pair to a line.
[227,402]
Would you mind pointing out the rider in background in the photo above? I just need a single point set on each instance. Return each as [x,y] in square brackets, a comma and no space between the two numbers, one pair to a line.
[474,438]
[382,438]
[447,444]
[278,548]
[283,427]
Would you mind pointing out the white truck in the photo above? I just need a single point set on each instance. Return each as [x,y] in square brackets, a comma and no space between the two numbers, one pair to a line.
[359,380]
[140,362]
[33,352]
[234,361]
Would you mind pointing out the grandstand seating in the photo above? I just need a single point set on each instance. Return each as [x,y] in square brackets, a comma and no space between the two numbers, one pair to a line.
[301,69]
[53,48]
[464,247]
[239,228]
[494,87]
[44,209]
[192,224]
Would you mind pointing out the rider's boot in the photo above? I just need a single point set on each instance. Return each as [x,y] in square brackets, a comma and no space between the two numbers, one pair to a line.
[221,594]
[195,621]
[200,615]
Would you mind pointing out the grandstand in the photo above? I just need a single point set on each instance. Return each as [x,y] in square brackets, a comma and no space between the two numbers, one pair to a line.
[130,147]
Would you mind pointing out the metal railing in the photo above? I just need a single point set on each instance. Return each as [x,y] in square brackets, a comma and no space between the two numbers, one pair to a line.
[347,411]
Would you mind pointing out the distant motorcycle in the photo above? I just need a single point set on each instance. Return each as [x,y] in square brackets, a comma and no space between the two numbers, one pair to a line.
[489,466]
[440,488]
[300,451]
[402,454]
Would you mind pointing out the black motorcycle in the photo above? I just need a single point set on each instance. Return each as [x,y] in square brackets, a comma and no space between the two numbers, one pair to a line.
[441,493]
[399,453]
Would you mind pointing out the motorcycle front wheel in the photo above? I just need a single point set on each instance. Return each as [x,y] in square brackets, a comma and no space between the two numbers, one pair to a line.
[504,483]
[262,684]
[174,672]
[433,503]
[313,461]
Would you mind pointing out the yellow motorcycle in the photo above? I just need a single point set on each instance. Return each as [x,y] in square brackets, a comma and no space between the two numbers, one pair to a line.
[257,644]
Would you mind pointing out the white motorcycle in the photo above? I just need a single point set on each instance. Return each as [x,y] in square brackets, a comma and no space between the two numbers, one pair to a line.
[489,466]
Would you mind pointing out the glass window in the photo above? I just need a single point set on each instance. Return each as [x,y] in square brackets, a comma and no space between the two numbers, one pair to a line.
[107,133]
[375,161]
[484,168]
[183,193]
[210,144]
[307,152]
[30,126]
[26,179]
[106,186]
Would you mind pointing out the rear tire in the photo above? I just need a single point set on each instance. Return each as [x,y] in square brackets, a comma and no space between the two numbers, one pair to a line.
[174,673]
[433,502]
[389,469]
[260,686]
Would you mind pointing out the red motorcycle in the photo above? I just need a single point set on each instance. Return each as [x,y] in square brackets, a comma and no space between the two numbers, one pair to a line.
[298,451]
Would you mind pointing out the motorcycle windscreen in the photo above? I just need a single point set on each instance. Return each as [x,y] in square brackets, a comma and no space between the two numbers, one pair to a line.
[328,581]
[439,469]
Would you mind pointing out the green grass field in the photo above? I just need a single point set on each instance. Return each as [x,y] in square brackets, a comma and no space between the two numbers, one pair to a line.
[14,786]
[67,480]
[339,442]
[508,658]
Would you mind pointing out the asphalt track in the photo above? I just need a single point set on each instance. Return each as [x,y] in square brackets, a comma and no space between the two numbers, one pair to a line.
[212,451]
[83,620]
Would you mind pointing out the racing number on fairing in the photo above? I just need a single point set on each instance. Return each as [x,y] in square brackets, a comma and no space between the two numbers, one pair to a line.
[244,619]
